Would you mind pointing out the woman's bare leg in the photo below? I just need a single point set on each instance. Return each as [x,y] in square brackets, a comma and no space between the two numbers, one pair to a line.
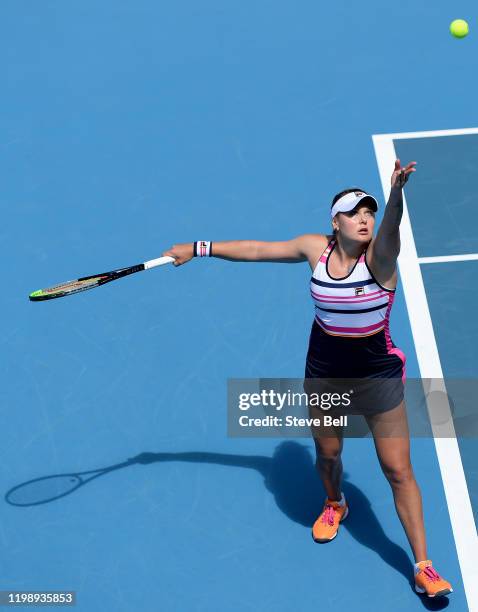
[394,457]
[328,460]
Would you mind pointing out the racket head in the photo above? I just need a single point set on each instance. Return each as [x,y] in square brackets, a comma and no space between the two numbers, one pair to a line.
[43,490]
[70,287]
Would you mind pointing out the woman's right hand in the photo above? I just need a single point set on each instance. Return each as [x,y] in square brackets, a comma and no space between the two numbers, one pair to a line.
[182,253]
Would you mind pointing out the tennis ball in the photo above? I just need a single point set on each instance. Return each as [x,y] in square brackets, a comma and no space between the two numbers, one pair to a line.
[459,28]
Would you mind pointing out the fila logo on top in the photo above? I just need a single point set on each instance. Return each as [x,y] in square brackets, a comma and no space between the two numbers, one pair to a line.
[359,193]
[359,290]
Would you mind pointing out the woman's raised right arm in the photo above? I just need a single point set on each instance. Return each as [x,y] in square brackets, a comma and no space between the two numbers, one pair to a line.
[301,248]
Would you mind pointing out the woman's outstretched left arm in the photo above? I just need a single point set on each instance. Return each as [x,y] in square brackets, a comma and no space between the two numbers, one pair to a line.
[385,247]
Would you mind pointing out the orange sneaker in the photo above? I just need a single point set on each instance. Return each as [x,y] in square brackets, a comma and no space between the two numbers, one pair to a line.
[428,581]
[326,526]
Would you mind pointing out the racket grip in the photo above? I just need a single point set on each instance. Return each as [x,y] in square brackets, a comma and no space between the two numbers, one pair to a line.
[160,261]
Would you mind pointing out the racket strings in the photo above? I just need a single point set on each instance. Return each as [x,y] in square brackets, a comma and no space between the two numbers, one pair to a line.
[72,286]
[76,284]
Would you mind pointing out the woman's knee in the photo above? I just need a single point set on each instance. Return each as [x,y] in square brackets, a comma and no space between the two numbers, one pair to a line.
[328,452]
[399,474]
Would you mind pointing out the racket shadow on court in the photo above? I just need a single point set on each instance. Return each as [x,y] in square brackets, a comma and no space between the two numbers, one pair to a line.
[289,475]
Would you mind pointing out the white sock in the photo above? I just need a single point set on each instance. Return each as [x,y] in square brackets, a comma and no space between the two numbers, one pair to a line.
[415,565]
[342,499]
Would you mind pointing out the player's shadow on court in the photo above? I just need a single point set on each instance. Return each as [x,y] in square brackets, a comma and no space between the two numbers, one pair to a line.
[289,475]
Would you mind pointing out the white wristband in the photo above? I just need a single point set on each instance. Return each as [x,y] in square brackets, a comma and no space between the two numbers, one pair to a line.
[202,248]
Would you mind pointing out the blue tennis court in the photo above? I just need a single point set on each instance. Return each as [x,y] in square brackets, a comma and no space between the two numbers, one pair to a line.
[128,127]
[449,282]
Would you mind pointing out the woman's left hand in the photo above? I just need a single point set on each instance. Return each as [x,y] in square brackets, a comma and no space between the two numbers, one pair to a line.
[400,175]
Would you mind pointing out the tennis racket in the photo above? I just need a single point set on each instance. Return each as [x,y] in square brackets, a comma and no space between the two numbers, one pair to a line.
[90,282]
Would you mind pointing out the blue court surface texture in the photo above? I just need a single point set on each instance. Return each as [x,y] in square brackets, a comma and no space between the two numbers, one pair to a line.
[129,126]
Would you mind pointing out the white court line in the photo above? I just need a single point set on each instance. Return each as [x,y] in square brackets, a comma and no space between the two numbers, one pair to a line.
[431,134]
[446,258]
[448,453]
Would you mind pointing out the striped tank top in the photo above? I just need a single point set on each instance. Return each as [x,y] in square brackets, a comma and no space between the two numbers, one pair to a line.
[354,306]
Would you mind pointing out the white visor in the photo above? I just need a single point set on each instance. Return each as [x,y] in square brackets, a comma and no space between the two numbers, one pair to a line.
[350,200]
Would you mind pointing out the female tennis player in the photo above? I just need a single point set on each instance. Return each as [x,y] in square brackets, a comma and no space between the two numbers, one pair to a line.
[354,277]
